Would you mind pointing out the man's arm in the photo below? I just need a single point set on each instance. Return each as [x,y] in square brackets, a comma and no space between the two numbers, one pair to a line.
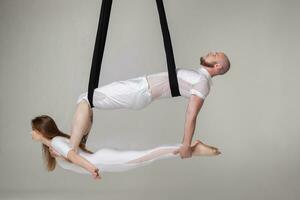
[81,124]
[193,108]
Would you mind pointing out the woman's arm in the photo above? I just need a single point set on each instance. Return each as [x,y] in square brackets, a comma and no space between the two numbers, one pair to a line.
[74,158]
[82,162]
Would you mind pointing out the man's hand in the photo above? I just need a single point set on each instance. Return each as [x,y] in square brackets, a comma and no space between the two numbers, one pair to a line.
[185,151]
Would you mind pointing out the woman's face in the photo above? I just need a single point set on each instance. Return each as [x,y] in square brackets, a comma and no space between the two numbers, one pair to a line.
[36,135]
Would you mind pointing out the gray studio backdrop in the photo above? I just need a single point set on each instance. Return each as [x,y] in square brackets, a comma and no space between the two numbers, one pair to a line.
[251,115]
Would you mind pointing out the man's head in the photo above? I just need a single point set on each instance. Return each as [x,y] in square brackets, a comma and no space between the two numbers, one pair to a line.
[217,61]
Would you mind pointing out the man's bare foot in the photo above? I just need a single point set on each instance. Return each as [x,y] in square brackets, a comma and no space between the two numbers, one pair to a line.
[201,149]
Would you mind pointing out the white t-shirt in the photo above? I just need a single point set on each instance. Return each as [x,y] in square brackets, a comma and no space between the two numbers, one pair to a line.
[196,82]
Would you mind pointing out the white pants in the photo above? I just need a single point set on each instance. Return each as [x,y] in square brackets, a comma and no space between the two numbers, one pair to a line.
[129,94]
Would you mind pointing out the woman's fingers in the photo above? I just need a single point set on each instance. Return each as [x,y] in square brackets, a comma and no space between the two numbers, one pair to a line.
[96,174]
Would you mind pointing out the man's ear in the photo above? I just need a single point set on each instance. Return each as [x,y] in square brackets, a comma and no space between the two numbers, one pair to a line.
[218,66]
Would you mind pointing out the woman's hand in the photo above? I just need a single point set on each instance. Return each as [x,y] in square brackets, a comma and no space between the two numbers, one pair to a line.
[96,174]
[94,171]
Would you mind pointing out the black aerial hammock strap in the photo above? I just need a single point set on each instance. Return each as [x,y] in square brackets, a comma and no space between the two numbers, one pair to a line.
[100,44]
[99,48]
[168,49]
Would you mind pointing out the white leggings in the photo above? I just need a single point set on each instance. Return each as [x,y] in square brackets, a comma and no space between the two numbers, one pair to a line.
[112,160]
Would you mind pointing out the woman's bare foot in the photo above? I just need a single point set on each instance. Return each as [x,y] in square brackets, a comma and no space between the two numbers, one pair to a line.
[201,149]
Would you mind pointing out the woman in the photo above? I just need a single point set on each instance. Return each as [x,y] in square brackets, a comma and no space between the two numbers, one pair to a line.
[56,148]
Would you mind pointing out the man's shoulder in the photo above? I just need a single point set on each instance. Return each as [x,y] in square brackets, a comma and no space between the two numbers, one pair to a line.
[188,68]
[189,74]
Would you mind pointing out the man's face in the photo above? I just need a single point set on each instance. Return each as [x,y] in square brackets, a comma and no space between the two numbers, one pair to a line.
[212,58]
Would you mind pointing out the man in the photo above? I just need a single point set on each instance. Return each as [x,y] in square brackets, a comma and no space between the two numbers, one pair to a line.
[139,92]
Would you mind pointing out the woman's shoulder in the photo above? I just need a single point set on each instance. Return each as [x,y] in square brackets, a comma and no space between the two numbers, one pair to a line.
[58,139]
[61,145]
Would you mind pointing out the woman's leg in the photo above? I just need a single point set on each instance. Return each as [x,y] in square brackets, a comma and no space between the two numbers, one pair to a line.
[198,149]
[201,149]
[81,124]
[155,154]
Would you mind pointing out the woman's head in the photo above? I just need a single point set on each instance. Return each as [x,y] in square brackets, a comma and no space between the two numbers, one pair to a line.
[44,127]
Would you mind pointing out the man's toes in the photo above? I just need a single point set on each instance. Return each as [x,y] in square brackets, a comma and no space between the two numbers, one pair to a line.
[217,152]
[214,151]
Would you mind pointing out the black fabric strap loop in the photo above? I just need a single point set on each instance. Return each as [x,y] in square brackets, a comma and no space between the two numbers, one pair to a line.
[99,48]
[100,45]
[168,49]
